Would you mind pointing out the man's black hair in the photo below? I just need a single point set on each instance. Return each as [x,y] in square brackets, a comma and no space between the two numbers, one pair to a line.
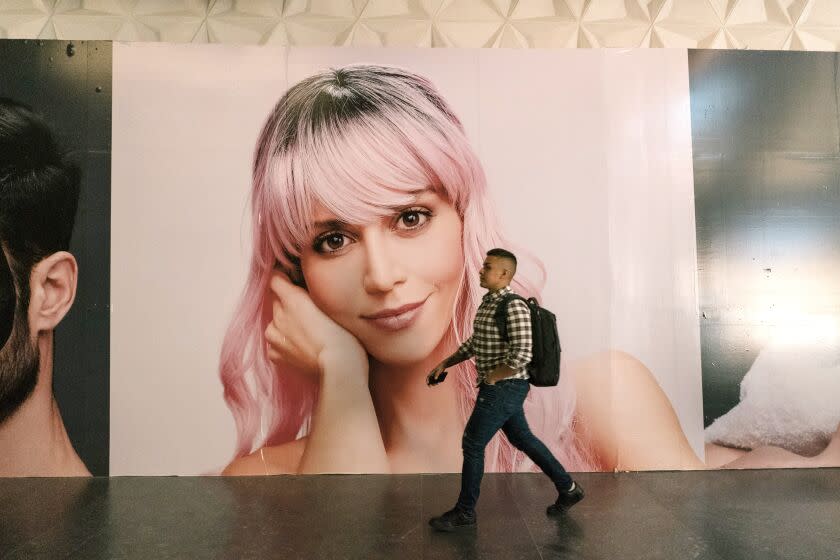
[39,191]
[504,254]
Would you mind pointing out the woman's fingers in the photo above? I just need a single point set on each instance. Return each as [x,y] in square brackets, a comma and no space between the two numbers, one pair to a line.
[277,344]
[273,356]
[276,313]
[274,337]
[281,286]
[299,333]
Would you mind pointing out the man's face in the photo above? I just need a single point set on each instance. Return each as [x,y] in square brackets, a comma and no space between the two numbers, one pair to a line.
[492,275]
[18,352]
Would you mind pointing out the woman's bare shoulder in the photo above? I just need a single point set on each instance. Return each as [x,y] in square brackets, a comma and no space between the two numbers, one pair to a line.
[627,417]
[276,459]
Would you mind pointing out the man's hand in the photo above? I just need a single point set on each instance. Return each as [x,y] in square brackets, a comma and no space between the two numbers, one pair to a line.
[501,372]
[489,380]
[432,378]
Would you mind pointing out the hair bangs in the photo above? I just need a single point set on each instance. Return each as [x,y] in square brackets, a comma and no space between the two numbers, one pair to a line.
[358,172]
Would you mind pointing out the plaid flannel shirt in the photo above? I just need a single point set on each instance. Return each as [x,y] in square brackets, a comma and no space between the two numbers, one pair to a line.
[486,343]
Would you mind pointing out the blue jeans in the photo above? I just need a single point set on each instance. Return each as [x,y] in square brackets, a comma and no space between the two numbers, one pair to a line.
[497,407]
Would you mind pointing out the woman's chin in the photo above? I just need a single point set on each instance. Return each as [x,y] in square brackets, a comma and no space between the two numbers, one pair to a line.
[402,353]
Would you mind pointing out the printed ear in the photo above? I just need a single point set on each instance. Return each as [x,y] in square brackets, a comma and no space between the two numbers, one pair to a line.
[53,290]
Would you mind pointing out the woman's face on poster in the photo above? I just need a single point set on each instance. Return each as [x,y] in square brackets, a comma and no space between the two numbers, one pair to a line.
[392,283]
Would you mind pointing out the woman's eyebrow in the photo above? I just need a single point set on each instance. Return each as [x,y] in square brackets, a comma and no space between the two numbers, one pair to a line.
[330,224]
[415,194]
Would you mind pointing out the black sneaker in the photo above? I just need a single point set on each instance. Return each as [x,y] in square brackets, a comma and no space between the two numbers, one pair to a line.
[452,519]
[566,499]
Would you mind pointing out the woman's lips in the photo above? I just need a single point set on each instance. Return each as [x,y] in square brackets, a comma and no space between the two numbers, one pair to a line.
[398,318]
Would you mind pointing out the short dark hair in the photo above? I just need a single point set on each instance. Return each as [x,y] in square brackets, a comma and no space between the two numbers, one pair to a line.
[39,191]
[504,254]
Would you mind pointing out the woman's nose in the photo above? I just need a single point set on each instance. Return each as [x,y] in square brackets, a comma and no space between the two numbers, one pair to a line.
[383,268]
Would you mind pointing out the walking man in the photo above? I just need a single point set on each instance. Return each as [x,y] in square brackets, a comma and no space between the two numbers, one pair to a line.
[503,385]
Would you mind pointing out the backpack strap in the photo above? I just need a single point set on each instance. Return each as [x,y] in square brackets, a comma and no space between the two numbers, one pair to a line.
[500,315]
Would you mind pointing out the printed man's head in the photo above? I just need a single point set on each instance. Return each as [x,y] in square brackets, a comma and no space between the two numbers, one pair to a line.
[39,193]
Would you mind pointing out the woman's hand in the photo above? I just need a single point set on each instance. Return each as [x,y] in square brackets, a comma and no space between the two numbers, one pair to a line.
[345,433]
[303,337]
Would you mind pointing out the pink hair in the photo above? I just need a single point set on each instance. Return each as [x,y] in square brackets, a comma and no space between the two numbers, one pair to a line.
[359,140]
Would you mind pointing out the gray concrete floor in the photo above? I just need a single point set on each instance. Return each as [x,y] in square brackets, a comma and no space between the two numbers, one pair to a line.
[671,515]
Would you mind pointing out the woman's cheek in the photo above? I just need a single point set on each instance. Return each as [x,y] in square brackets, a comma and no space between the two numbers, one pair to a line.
[329,293]
[448,251]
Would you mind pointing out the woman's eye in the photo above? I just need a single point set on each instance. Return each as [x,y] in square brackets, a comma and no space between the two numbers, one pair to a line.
[413,219]
[331,242]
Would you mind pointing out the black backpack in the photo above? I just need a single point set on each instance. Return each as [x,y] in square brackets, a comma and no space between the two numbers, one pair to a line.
[544,369]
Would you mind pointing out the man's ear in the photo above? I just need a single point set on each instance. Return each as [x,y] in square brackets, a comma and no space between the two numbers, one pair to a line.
[52,291]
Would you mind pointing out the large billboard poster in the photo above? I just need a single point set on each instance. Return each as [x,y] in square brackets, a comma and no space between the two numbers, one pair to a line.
[372,179]
[55,157]
[767,182]
[296,236]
